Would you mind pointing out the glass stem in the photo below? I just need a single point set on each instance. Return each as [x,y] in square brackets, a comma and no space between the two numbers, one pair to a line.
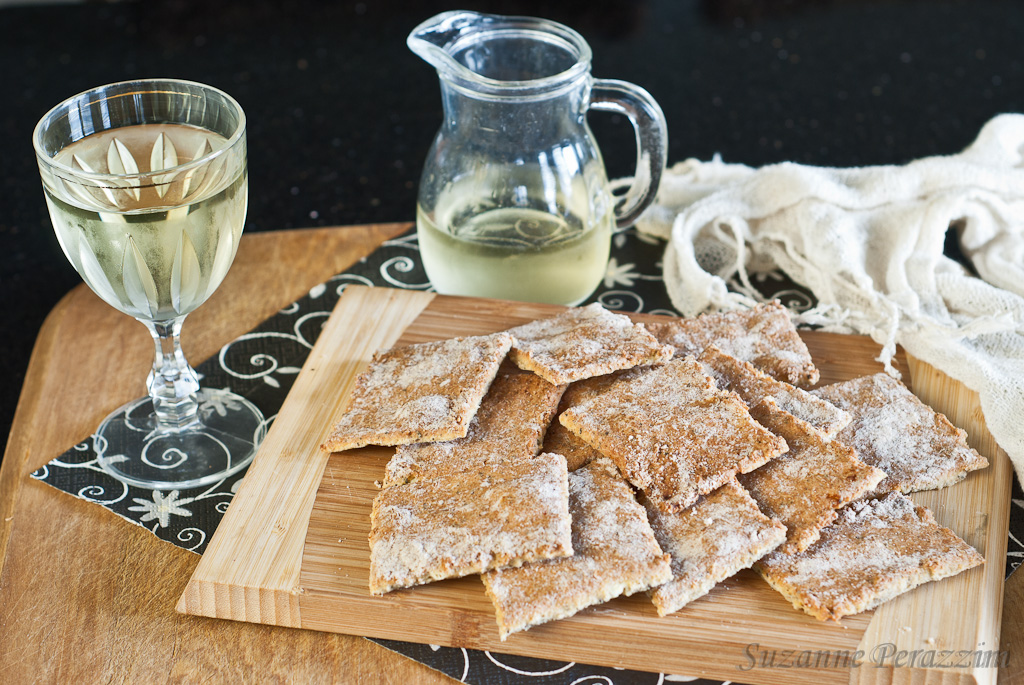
[173,384]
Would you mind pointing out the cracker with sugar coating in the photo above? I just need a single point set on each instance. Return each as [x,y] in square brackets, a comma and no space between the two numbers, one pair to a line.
[804,487]
[503,514]
[763,335]
[672,433]
[424,392]
[917,447]
[510,424]
[583,342]
[752,385]
[720,535]
[876,550]
[614,553]
[560,439]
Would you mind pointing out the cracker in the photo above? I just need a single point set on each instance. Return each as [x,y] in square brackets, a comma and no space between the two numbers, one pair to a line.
[672,433]
[804,487]
[752,385]
[877,549]
[764,336]
[615,553]
[723,533]
[461,523]
[560,439]
[918,448]
[417,393]
[584,342]
[510,424]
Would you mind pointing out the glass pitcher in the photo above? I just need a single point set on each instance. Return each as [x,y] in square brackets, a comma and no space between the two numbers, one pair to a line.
[514,201]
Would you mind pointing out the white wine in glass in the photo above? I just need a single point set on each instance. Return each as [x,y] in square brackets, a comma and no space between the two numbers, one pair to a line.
[146,183]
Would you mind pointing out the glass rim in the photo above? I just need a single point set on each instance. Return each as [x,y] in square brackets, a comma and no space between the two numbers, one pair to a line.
[149,84]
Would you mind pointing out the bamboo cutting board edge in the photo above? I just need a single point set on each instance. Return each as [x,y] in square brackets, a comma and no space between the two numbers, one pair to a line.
[250,570]
[211,594]
[982,519]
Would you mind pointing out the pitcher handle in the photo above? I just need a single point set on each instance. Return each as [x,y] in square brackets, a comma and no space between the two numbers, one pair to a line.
[610,95]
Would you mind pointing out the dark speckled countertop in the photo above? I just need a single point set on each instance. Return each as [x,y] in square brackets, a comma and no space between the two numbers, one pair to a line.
[340,113]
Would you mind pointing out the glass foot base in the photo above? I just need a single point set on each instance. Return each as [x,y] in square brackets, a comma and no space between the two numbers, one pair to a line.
[134,451]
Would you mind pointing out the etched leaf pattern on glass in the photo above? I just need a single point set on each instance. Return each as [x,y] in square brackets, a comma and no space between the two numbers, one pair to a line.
[164,156]
[227,242]
[195,178]
[139,283]
[143,292]
[93,272]
[120,161]
[100,195]
[186,274]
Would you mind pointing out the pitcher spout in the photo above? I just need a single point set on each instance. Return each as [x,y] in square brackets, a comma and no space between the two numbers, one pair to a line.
[432,39]
[490,54]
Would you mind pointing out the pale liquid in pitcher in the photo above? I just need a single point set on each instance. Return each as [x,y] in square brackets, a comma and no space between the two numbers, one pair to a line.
[154,251]
[515,253]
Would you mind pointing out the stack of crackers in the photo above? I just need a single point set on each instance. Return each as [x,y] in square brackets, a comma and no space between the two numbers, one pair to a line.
[575,459]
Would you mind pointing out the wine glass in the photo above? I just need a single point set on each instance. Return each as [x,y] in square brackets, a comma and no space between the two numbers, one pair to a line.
[147,187]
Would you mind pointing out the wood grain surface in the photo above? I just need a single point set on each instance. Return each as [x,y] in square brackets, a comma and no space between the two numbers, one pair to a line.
[236,579]
[88,597]
[252,572]
[980,515]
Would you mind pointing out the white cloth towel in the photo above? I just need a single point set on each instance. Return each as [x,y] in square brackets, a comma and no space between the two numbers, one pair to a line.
[868,242]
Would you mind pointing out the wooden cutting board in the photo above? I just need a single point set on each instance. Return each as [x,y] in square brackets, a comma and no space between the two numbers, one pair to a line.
[292,548]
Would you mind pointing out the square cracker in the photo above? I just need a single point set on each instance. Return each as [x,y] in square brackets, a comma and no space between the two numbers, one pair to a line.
[878,549]
[723,533]
[583,342]
[918,448]
[752,385]
[804,487]
[614,553]
[510,424]
[416,393]
[764,336]
[462,523]
[560,439]
[672,433]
